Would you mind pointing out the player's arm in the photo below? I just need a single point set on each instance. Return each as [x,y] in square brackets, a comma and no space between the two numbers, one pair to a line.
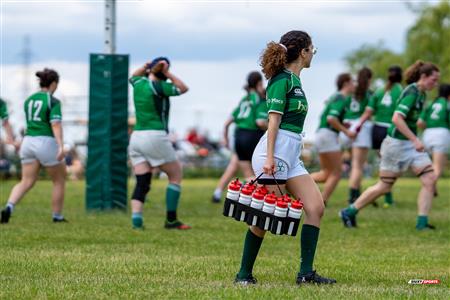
[225,131]
[272,132]
[8,131]
[276,101]
[181,86]
[336,124]
[142,71]
[262,124]
[368,112]
[337,108]
[421,123]
[398,119]
[261,116]
[55,120]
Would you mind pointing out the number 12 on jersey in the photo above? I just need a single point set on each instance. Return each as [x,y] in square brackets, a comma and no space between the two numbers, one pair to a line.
[34,110]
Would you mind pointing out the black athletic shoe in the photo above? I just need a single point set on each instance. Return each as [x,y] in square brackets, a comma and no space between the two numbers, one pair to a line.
[214,199]
[348,220]
[313,277]
[6,214]
[176,225]
[245,281]
[55,220]
[428,227]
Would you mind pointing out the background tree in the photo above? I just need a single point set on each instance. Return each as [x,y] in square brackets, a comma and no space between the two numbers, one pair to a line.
[428,39]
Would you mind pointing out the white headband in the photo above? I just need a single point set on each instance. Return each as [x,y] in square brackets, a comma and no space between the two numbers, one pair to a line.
[283,46]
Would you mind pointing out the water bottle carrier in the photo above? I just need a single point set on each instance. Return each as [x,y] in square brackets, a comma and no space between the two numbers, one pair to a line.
[263,220]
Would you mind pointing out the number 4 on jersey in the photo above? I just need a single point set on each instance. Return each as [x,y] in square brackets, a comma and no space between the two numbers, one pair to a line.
[387,100]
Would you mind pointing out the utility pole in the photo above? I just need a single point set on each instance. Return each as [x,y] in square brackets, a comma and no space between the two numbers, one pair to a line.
[26,54]
[110,26]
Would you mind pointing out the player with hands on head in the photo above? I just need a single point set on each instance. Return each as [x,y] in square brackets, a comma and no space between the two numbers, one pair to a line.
[150,146]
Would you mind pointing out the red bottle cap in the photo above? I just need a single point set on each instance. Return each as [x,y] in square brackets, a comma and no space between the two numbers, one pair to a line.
[235,185]
[247,191]
[297,204]
[258,195]
[282,204]
[270,198]
[287,199]
[264,190]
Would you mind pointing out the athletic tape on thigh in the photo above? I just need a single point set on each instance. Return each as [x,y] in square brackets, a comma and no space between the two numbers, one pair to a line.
[388,179]
[142,187]
[427,169]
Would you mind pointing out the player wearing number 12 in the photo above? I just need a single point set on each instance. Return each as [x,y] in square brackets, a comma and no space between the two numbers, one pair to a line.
[42,146]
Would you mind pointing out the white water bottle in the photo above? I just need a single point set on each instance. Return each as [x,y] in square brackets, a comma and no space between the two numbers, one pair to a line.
[245,198]
[281,210]
[295,213]
[269,208]
[233,190]
[232,194]
[257,203]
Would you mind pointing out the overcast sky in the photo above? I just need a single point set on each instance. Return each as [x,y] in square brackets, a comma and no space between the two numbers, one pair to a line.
[213,45]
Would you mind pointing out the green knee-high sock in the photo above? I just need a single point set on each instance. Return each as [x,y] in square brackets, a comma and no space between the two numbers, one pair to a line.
[308,240]
[388,198]
[172,198]
[351,210]
[251,248]
[422,222]
[353,195]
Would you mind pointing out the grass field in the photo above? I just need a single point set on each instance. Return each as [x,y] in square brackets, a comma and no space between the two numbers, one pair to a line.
[100,256]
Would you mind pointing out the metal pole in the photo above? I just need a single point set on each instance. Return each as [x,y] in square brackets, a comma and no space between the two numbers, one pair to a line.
[110,26]
[26,59]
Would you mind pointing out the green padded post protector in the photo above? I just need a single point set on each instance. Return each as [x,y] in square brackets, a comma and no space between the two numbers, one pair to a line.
[106,172]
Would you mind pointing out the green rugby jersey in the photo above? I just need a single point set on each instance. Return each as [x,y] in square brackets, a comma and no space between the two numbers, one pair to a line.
[286,97]
[436,114]
[335,107]
[3,110]
[41,109]
[151,103]
[409,104]
[250,109]
[383,103]
[355,108]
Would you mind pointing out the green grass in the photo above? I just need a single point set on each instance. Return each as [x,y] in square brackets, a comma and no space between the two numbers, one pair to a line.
[100,256]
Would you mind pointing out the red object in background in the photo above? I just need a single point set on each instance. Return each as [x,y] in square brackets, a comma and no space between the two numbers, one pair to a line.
[203,152]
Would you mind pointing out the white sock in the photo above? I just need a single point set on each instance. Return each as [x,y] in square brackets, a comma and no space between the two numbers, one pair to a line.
[58,216]
[10,206]
[217,193]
